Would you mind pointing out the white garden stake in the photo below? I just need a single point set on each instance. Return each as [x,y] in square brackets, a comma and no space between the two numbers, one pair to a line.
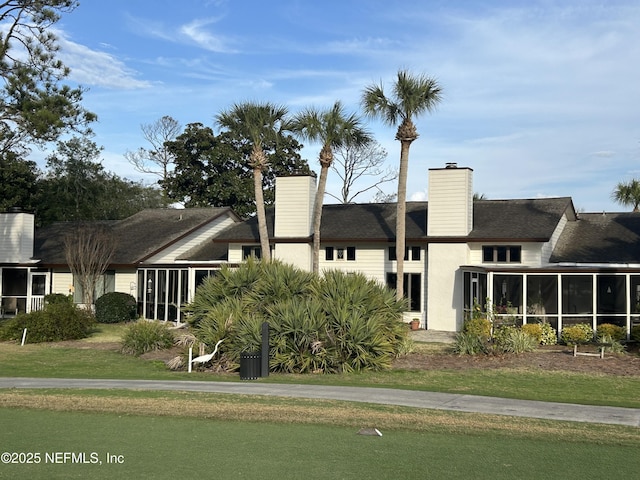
[190,357]
[24,337]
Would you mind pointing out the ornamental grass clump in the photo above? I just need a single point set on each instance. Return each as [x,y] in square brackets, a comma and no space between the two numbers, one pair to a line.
[469,344]
[515,340]
[612,345]
[146,336]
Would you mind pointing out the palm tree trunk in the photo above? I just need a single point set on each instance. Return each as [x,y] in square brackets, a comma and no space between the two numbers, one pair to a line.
[317,216]
[262,217]
[401,208]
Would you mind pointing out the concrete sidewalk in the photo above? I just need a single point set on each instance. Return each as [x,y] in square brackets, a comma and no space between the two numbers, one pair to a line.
[386,396]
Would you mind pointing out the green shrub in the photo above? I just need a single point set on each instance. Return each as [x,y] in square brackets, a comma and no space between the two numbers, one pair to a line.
[549,334]
[478,326]
[116,307]
[516,340]
[56,322]
[576,334]
[469,344]
[635,333]
[57,298]
[145,336]
[339,322]
[613,331]
[533,329]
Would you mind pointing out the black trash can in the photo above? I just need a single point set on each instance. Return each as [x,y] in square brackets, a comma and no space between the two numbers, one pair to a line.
[250,365]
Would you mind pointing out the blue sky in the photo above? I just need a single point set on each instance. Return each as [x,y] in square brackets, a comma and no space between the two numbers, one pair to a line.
[541,97]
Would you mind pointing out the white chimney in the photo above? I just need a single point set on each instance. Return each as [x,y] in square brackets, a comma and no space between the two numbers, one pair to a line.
[17,231]
[450,210]
[295,198]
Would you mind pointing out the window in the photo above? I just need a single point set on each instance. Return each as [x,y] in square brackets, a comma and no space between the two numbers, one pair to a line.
[412,288]
[502,253]
[340,253]
[612,297]
[414,251]
[577,294]
[106,283]
[507,294]
[251,251]
[201,275]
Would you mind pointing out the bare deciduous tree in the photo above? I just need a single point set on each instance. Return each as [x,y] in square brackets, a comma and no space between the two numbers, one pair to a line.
[88,250]
[354,163]
[158,158]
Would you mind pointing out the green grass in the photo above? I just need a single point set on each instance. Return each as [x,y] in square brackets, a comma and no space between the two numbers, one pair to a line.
[167,447]
[84,361]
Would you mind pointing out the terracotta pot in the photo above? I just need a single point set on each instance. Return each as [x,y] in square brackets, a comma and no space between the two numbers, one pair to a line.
[415,324]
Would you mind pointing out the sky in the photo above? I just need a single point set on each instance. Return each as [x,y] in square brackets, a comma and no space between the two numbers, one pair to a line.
[541,98]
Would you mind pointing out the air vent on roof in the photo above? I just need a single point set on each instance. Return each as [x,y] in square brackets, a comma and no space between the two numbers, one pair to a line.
[451,165]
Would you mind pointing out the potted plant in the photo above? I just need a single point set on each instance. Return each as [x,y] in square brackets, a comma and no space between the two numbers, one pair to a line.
[415,324]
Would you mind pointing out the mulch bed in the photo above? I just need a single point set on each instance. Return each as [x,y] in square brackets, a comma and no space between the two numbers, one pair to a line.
[556,358]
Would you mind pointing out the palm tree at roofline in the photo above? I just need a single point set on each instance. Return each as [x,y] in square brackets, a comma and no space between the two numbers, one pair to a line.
[334,128]
[628,194]
[412,95]
[260,123]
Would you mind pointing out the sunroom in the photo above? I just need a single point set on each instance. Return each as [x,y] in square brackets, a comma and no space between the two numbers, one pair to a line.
[560,297]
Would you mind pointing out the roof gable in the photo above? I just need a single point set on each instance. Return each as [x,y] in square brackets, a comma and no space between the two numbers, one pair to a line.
[139,236]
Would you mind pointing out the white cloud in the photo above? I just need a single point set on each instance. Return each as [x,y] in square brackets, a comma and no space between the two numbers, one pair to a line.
[91,67]
[196,32]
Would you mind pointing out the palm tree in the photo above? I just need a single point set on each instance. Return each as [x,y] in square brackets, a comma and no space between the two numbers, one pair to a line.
[628,194]
[260,123]
[334,128]
[411,96]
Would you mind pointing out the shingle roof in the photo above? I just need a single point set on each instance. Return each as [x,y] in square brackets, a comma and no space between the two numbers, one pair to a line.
[600,238]
[531,219]
[138,236]
[520,219]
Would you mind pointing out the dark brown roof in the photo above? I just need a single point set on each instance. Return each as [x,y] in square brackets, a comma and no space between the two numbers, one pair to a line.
[600,238]
[533,219]
[139,236]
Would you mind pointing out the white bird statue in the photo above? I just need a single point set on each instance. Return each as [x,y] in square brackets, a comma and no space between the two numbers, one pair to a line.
[207,358]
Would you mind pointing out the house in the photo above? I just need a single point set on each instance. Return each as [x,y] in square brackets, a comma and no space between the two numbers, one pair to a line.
[148,261]
[530,260]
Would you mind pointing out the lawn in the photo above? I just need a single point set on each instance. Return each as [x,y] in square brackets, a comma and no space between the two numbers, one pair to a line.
[149,434]
[83,360]
[177,447]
